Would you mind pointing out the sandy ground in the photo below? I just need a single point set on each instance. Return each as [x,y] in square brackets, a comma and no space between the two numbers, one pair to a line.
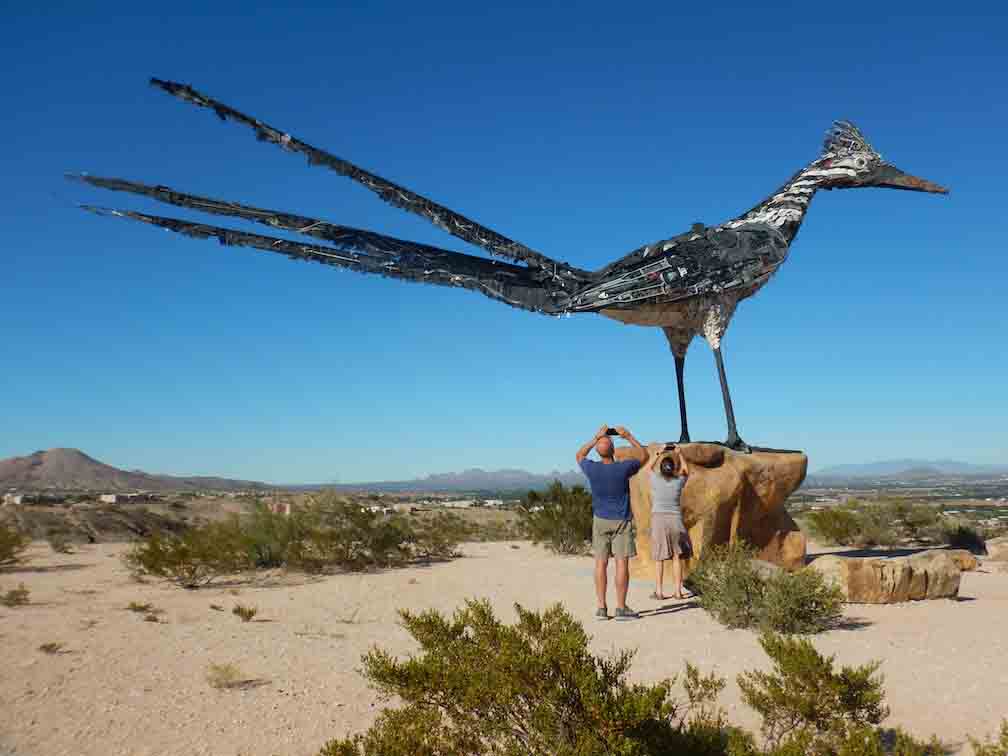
[121,685]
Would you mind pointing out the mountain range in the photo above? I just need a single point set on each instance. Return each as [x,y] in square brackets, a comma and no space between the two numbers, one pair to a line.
[73,469]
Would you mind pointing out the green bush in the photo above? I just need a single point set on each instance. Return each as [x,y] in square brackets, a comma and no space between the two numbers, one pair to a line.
[800,602]
[479,686]
[559,517]
[728,585]
[834,525]
[59,542]
[15,596]
[805,700]
[194,558]
[992,748]
[731,589]
[12,544]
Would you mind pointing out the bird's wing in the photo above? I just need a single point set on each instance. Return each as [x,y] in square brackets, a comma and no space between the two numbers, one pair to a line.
[448,220]
[367,252]
[699,262]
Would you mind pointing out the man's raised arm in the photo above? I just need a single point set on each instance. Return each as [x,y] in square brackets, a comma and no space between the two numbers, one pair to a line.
[639,451]
[585,450]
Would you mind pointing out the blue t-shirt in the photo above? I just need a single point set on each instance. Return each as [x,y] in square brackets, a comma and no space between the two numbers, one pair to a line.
[610,487]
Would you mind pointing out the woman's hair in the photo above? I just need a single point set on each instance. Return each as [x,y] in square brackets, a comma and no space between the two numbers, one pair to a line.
[669,469]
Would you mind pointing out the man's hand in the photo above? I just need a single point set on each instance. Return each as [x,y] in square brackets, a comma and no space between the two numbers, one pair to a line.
[603,431]
[623,432]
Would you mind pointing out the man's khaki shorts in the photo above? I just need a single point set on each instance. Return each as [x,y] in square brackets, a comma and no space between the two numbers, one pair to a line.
[614,538]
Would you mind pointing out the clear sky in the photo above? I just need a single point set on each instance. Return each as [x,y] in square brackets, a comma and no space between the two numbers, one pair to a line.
[583,132]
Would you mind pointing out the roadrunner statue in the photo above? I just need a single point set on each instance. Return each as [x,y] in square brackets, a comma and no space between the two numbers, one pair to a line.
[687,285]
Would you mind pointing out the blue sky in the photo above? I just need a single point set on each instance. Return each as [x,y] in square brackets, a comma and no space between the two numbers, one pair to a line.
[583,131]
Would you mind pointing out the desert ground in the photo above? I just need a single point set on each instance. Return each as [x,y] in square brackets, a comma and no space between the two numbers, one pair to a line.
[121,685]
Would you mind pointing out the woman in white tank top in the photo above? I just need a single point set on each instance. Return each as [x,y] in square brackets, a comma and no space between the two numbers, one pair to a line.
[669,537]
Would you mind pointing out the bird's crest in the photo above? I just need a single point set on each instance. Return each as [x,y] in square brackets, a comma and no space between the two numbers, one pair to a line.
[845,138]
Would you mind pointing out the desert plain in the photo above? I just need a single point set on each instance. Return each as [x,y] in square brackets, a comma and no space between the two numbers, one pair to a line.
[116,684]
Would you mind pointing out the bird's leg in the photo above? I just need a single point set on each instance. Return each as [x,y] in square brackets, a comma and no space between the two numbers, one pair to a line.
[679,339]
[680,364]
[733,441]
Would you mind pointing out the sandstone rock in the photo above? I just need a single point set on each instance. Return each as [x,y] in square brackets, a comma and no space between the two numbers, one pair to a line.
[730,496]
[997,549]
[966,561]
[889,580]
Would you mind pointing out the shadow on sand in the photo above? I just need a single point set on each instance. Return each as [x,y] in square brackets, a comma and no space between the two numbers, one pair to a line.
[14,568]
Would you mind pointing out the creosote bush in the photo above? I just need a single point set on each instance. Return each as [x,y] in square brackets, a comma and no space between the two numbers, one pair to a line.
[223,676]
[12,544]
[482,687]
[479,687]
[245,613]
[989,747]
[731,589]
[328,533]
[885,522]
[559,517]
[15,596]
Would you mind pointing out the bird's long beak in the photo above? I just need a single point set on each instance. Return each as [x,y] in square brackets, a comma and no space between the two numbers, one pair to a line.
[887,175]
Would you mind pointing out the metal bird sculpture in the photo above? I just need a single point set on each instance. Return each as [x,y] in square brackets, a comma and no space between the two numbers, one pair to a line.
[686,285]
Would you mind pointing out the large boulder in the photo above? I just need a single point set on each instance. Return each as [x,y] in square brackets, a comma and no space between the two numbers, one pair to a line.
[964,559]
[729,496]
[997,549]
[889,580]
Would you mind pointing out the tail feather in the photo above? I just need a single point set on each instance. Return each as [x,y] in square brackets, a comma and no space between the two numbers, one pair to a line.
[368,252]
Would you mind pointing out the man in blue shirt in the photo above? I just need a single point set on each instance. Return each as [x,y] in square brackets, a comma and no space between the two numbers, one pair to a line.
[613,531]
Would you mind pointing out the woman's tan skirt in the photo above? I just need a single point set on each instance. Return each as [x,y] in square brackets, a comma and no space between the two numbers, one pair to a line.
[669,536]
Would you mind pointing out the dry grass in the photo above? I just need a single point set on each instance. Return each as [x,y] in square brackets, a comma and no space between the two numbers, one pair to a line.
[224,676]
[51,648]
[246,613]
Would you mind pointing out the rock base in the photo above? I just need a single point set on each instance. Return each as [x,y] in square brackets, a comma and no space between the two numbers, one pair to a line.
[729,496]
[890,580]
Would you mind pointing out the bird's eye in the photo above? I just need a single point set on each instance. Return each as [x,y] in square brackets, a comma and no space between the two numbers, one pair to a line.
[861,162]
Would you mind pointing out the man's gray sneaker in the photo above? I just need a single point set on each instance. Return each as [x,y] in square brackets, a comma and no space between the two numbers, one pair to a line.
[626,614]
[601,614]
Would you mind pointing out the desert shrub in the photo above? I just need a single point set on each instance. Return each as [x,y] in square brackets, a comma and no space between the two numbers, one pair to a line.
[194,558]
[334,532]
[479,686]
[269,536]
[223,676]
[962,536]
[439,536]
[12,544]
[559,517]
[51,648]
[136,606]
[730,587]
[805,701]
[800,602]
[59,542]
[834,525]
[246,613]
[15,596]
[990,747]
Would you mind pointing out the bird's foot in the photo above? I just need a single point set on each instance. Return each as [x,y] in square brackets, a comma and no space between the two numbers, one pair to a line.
[735,443]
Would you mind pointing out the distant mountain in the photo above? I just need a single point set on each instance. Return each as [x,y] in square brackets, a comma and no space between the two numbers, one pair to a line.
[474,479]
[73,469]
[909,469]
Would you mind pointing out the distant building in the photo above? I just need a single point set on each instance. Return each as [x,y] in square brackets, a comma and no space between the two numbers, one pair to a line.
[12,498]
[108,498]
[459,503]
[494,502]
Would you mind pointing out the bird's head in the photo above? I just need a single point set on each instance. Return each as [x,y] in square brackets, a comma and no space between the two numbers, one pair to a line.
[849,162]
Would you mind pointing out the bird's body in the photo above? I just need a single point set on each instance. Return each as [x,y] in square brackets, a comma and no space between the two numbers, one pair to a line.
[687,285]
